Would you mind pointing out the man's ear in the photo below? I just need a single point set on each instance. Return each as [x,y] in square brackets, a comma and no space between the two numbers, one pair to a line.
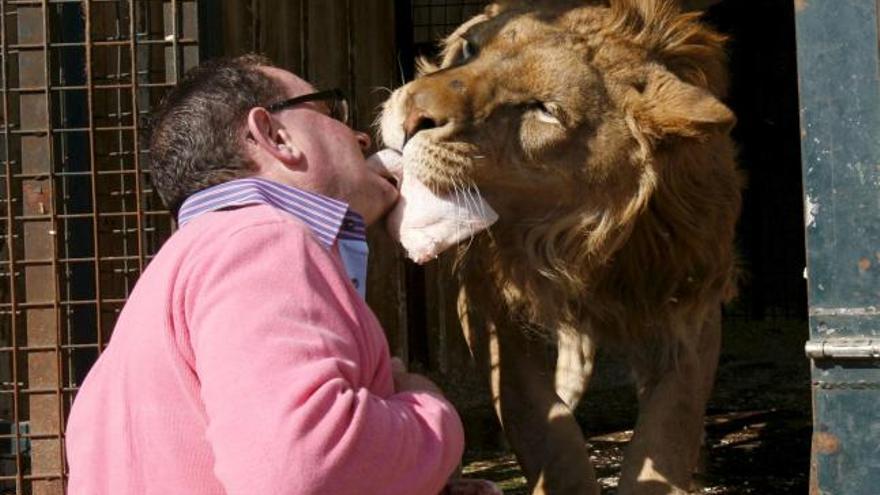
[668,106]
[272,139]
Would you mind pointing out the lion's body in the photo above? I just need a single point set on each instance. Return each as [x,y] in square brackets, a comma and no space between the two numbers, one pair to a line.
[597,134]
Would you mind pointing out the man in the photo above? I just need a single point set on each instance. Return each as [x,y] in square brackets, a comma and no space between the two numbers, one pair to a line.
[245,360]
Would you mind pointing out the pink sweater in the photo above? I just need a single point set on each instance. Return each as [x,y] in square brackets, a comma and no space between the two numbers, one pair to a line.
[245,362]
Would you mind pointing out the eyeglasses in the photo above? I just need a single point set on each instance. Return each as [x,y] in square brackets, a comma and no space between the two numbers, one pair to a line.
[335,99]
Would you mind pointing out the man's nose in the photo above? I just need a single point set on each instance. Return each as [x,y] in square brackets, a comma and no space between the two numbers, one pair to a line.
[363,140]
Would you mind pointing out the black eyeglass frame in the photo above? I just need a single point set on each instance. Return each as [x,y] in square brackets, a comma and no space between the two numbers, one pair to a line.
[336,98]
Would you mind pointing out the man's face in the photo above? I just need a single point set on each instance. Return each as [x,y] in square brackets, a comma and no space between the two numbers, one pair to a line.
[334,154]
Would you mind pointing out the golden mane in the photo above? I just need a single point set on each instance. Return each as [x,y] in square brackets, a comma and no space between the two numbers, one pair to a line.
[691,50]
[620,263]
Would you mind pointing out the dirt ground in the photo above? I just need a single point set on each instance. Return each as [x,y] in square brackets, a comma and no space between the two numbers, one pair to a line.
[758,421]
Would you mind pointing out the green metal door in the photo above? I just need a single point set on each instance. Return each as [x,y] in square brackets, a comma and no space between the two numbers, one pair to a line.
[839,68]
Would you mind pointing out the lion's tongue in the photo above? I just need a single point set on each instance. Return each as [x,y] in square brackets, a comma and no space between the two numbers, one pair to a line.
[426,224]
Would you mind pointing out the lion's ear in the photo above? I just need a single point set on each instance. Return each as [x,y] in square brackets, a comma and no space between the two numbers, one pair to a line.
[669,106]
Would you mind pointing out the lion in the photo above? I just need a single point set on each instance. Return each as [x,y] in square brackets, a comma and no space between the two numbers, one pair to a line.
[596,130]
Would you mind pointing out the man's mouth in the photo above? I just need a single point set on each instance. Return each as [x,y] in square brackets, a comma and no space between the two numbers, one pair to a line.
[386,163]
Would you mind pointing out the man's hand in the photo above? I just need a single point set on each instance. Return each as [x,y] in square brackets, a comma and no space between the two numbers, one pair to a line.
[405,381]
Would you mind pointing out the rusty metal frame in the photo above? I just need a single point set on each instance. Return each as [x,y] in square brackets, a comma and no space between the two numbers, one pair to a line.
[66,268]
[434,20]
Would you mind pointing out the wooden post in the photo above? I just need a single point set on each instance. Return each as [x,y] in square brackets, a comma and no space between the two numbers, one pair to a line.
[347,44]
[374,72]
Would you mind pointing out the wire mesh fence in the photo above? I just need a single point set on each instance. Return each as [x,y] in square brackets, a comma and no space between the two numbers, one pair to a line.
[434,19]
[78,217]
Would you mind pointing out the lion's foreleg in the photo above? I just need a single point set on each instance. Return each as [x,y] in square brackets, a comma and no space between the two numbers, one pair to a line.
[665,447]
[574,365]
[540,427]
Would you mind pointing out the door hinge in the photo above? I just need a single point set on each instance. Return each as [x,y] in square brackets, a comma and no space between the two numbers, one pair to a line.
[843,349]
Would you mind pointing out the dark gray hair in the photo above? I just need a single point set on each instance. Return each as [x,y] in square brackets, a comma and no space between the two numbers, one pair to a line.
[196,134]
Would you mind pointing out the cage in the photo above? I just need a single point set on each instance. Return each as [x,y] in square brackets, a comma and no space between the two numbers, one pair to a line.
[78,217]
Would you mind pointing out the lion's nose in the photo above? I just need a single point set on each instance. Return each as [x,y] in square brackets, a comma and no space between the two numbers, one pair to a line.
[426,111]
[417,120]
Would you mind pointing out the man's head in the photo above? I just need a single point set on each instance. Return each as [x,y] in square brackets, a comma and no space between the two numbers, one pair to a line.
[196,133]
[222,122]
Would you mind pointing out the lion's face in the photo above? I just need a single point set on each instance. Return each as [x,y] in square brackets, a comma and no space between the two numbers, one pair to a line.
[546,109]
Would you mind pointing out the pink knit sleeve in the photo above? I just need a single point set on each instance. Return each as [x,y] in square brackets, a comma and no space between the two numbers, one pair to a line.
[296,392]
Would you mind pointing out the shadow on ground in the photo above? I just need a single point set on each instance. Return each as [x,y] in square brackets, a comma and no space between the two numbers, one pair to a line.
[758,423]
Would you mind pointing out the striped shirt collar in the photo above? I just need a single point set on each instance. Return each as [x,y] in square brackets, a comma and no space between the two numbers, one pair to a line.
[328,218]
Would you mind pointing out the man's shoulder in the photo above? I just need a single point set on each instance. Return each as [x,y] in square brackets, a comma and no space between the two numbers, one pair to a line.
[251,238]
[211,233]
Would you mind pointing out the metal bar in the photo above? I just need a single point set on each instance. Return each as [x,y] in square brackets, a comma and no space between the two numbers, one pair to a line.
[89,259]
[51,304]
[38,348]
[137,162]
[843,349]
[10,225]
[34,477]
[37,392]
[37,3]
[35,436]
[174,42]
[120,138]
[855,311]
[41,477]
[54,87]
[68,130]
[304,15]
[87,7]
[47,74]
[83,174]
[106,214]
[352,76]
[255,26]
[100,44]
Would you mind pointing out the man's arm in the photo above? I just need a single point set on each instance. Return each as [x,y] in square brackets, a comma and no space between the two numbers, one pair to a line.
[284,369]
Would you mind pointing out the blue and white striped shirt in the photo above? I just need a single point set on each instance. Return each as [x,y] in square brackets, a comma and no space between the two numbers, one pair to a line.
[332,221]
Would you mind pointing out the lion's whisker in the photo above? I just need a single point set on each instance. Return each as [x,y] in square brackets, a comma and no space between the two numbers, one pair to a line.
[457,199]
[482,201]
[474,196]
[400,67]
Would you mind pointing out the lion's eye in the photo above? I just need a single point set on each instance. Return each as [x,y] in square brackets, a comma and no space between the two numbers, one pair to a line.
[468,50]
[544,112]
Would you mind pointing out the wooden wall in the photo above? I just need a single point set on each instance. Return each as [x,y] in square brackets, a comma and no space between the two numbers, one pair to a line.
[347,44]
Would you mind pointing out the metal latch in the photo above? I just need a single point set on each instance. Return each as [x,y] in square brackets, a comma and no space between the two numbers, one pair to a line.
[843,349]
